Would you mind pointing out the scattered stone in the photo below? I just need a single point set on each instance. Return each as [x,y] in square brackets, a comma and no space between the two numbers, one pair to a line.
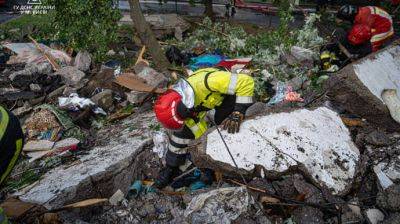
[117,197]
[360,85]
[222,205]
[83,61]
[20,111]
[392,219]
[107,167]
[391,98]
[135,96]
[389,198]
[306,215]
[35,87]
[71,76]
[110,52]
[104,99]
[316,140]
[377,138]
[150,76]
[352,213]
[388,173]
[374,216]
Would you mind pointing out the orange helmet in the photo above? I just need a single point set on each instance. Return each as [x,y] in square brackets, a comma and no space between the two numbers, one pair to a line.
[359,34]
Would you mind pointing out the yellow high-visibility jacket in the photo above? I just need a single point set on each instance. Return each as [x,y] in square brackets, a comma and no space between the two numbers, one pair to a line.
[210,85]
[11,143]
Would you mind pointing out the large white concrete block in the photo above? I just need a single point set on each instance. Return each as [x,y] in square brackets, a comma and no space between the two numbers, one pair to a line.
[104,170]
[360,87]
[316,140]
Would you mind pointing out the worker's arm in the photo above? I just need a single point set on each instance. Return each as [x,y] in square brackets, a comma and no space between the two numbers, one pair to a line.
[240,85]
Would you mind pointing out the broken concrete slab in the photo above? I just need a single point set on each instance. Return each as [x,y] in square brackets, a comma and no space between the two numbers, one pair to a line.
[360,85]
[71,76]
[315,141]
[83,61]
[388,199]
[150,76]
[102,171]
[374,216]
[388,172]
[222,205]
[104,99]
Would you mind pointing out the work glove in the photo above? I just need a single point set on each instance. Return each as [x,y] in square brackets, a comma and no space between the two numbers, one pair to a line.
[232,123]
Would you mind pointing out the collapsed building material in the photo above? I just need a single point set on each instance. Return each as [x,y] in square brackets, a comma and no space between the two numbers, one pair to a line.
[315,141]
[71,76]
[83,61]
[29,53]
[102,171]
[359,87]
[222,205]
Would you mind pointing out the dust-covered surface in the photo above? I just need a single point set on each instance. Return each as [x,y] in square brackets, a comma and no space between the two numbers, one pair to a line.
[316,139]
[63,184]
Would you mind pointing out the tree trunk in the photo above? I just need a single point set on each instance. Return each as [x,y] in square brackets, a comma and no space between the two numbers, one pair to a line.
[147,37]
[208,4]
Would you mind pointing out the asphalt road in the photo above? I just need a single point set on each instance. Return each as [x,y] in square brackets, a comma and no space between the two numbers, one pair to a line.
[183,8]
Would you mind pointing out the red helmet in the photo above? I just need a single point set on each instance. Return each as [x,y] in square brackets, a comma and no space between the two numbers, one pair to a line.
[359,34]
[166,110]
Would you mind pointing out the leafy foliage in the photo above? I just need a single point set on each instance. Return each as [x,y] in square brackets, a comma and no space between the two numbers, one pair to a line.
[266,48]
[86,25]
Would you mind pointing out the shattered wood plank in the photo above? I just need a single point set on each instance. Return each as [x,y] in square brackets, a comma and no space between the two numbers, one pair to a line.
[48,56]
[133,83]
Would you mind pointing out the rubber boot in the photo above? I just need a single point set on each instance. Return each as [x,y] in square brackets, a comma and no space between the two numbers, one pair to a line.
[166,176]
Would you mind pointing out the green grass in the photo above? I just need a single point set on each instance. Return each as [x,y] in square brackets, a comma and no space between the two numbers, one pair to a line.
[36,25]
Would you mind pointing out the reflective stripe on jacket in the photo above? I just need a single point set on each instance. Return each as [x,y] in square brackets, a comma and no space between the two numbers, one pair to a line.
[11,143]
[210,85]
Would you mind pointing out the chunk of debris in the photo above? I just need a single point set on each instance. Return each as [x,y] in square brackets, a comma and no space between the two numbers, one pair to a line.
[222,205]
[360,85]
[104,99]
[107,167]
[374,216]
[316,140]
[387,173]
[71,76]
[389,198]
[29,53]
[83,61]
[117,197]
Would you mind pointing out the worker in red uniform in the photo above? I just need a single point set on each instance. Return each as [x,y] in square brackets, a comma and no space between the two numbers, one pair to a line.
[370,23]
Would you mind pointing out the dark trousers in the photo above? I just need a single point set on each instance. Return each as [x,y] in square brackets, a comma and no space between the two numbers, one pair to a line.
[178,142]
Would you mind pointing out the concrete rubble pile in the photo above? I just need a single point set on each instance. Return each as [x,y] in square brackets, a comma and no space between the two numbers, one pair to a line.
[91,135]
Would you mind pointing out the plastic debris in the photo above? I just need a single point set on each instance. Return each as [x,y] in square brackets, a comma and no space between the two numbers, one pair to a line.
[160,140]
[222,205]
[284,93]
[234,65]
[75,103]
[207,60]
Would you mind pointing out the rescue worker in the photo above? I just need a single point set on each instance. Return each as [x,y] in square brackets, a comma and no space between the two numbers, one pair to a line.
[11,142]
[183,109]
[370,24]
